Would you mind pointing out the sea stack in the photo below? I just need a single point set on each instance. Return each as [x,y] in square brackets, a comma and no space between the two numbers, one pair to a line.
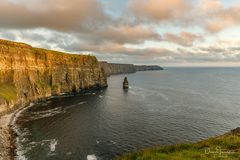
[125,83]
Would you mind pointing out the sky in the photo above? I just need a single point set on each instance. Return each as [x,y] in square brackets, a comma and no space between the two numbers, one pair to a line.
[160,32]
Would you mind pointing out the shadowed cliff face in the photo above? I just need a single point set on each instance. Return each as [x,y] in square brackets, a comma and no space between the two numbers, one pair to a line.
[147,68]
[115,68]
[28,73]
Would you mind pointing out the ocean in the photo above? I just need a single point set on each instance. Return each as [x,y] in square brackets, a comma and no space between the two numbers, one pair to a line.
[166,107]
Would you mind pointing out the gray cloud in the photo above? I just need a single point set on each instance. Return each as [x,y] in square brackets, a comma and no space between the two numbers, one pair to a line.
[53,14]
[85,18]
[8,35]
[215,53]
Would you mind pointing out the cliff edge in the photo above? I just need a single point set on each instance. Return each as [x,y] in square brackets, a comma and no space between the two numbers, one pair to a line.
[216,148]
[28,74]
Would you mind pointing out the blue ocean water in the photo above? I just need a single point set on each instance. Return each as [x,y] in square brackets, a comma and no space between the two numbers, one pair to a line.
[160,108]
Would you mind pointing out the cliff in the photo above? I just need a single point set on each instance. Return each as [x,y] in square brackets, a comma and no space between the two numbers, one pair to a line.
[28,74]
[116,68]
[147,68]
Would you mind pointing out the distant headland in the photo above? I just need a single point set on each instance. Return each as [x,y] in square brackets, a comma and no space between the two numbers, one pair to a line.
[118,68]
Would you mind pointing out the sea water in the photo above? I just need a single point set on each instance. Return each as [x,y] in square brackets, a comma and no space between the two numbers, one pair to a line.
[160,108]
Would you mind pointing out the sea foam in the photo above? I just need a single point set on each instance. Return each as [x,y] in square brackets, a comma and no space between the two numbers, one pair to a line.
[91,157]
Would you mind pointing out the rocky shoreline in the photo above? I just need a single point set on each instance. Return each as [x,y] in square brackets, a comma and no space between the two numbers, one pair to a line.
[8,129]
[7,137]
[8,134]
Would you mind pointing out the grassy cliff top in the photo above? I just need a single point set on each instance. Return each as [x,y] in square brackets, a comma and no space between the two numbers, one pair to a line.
[51,53]
[61,56]
[15,44]
[225,147]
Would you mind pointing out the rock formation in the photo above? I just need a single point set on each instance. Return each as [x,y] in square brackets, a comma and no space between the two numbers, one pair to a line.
[28,74]
[116,68]
[125,83]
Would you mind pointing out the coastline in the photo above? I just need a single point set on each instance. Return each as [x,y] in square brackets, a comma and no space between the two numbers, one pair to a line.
[7,137]
[9,130]
[8,133]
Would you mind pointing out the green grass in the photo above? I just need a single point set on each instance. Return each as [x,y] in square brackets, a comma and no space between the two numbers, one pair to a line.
[196,151]
[8,92]
[11,43]
[61,56]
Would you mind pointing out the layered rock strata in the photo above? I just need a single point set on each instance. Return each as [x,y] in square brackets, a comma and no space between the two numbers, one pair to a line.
[28,74]
[116,68]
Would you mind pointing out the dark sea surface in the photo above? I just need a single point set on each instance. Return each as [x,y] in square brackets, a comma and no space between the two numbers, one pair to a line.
[160,108]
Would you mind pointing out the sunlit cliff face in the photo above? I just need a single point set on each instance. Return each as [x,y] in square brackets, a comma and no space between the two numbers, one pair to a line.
[176,32]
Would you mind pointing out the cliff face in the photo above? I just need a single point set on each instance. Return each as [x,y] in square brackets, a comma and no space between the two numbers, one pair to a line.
[115,68]
[147,68]
[28,73]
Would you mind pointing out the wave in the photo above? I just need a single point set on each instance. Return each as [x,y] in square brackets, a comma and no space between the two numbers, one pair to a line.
[16,129]
[84,102]
[91,157]
[52,146]
[21,133]
[72,106]
[51,112]
[44,114]
[50,143]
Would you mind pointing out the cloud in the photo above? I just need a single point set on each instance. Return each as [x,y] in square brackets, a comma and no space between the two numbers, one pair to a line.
[58,15]
[221,51]
[128,34]
[215,17]
[184,38]
[211,15]
[224,19]
[121,34]
[7,35]
[85,19]
[158,10]
[140,30]
[115,48]
[116,52]
[210,5]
